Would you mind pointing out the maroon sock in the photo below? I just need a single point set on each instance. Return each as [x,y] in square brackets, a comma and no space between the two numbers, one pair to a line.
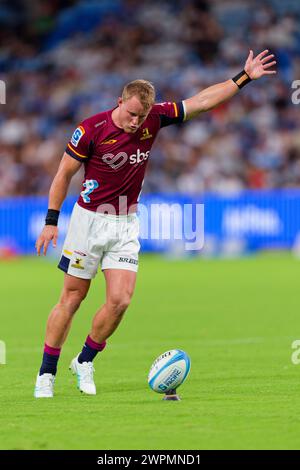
[50,360]
[90,350]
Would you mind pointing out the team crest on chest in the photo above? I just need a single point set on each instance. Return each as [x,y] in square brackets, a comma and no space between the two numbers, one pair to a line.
[146,134]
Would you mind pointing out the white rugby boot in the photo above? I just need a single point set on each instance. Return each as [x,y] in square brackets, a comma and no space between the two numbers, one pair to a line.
[44,386]
[85,376]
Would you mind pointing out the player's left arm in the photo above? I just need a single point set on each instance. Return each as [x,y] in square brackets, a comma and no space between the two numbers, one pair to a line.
[209,98]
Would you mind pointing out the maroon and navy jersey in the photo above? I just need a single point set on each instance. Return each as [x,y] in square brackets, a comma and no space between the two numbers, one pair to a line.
[115,161]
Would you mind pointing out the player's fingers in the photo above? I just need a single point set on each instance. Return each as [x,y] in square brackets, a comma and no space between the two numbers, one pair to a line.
[54,242]
[267,66]
[268,72]
[265,59]
[38,246]
[46,243]
[262,54]
[250,57]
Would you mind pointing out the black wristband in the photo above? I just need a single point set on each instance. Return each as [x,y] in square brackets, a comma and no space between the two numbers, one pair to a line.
[241,79]
[52,217]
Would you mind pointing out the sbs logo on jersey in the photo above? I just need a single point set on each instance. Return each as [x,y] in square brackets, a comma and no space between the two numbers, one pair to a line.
[118,160]
[139,157]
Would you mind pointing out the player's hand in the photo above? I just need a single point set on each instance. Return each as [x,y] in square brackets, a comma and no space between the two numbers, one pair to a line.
[49,232]
[258,66]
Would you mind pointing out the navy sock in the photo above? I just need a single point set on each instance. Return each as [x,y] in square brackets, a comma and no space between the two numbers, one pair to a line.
[50,360]
[90,350]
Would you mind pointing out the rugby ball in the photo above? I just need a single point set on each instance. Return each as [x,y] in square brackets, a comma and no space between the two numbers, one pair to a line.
[169,371]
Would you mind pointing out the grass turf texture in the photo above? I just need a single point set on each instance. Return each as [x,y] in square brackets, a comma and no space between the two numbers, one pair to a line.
[236,319]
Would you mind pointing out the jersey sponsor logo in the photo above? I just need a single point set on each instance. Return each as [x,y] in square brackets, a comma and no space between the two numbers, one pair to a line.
[139,157]
[79,253]
[90,186]
[128,260]
[68,252]
[100,123]
[118,160]
[146,134]
[109,142]
[78,133]
[115,161]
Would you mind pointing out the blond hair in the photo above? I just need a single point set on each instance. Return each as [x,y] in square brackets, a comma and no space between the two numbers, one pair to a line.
[143,89]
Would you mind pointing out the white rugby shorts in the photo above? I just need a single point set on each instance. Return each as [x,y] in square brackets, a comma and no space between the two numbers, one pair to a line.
[94,238]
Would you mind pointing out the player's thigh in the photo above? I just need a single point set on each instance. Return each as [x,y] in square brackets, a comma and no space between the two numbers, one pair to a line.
[120,285]
[75,288]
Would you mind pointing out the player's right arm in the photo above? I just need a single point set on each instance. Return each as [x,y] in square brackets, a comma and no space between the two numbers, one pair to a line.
[58,191]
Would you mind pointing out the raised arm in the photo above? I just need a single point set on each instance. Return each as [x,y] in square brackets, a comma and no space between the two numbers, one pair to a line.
[58,191]
[209,98]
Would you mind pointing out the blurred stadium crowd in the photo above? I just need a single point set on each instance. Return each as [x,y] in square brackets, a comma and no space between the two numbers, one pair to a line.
[65,60]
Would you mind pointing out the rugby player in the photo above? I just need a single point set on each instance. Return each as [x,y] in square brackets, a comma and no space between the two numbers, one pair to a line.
[114,147]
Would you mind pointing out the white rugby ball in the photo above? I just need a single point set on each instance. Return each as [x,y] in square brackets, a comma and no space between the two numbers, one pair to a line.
[169,371]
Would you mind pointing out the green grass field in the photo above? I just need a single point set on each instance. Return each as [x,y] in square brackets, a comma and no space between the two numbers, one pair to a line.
[236,319]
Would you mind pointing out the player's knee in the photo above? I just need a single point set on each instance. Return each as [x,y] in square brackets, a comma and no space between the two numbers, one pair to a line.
[72,299]
[119,303]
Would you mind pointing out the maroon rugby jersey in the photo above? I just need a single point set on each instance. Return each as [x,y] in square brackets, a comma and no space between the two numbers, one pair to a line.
[115,161]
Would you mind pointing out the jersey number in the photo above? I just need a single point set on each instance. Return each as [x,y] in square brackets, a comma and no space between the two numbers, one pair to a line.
[90,185]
